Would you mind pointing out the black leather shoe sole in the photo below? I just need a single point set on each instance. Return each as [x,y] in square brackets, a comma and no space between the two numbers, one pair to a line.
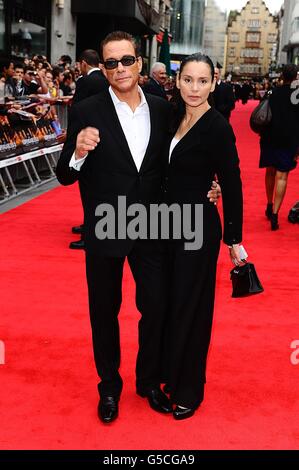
[78,245]
[183,413]
[78,230]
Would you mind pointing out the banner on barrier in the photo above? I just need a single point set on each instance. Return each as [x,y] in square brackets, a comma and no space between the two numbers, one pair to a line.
[28,129]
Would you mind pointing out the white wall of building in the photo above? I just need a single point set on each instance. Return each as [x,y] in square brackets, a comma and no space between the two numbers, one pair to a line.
[63,31]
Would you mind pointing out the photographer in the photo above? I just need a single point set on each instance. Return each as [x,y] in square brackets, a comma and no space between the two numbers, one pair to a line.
[33,82]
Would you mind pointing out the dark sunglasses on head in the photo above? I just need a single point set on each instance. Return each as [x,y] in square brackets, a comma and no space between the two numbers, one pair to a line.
[126,61]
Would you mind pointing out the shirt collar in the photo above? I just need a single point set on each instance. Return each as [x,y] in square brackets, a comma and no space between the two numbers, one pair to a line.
[117,101]
[92,70]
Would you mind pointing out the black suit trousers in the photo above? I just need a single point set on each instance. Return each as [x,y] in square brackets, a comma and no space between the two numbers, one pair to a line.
[192,276]
[147,261]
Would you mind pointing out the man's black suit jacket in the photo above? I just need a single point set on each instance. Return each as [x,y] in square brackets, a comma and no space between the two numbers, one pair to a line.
[224,99]
[109,171]
[154,88]
[89,85]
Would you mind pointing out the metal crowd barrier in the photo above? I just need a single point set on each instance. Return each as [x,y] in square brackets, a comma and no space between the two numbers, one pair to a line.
[33,171]
[24,172]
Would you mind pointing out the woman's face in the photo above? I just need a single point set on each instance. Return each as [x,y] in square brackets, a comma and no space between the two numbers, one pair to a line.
[195,83]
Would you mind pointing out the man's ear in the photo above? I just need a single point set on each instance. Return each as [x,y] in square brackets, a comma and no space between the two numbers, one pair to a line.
[140,64]
[213,85]
[104,71]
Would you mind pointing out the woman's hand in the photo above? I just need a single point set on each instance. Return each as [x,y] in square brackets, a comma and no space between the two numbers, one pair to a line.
[234,252]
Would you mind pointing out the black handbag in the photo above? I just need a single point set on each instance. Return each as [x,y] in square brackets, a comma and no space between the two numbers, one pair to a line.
[261,116]
[245,281]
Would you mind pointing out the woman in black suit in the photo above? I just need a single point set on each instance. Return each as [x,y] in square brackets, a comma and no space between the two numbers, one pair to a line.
[279,143]
[203,146]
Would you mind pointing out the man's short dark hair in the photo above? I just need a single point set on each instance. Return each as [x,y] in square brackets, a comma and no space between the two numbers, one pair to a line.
[29,68]
[19,65]
[289,72]
[65,59]
[90,56]
[118,36]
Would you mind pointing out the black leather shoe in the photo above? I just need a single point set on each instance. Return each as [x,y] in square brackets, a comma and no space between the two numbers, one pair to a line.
[274,222]
[108,409]
[78,245]
[158,401]
[78,230]
[269,211]
[183,413]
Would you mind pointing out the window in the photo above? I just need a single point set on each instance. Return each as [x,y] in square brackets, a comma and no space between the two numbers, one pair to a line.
[28,34]
[272,37]
[232,52]
[250,68]
[254,23]
[255,10]
[253,37]
[234,37]
[295,25]
[252,53]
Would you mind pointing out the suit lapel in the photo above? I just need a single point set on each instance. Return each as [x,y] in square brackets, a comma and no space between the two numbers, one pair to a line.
[154,118]
[113,124]
[193,137]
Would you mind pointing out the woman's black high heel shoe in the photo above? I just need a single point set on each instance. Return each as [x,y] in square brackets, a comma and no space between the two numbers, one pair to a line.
[182,413]
[269,211]
[274,222]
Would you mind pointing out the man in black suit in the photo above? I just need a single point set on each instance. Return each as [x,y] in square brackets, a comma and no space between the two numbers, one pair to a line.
[91,82]
[125,161]
[155,85]
[223,96]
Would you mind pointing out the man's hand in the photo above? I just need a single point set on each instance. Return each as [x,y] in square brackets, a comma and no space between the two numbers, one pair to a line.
[87,140]
[215,192]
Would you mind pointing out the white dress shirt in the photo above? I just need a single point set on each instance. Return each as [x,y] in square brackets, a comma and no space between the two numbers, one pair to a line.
[135,125]
[174,142]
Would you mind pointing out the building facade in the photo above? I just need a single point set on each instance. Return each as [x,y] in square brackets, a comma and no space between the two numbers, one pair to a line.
[252,36]
[214,34]
[56,27]
[25,27]
[289,43]
[187,21]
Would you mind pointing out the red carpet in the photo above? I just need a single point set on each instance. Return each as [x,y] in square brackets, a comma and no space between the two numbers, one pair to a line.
[48,382]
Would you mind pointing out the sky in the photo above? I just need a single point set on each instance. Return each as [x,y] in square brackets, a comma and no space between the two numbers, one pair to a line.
[273,5]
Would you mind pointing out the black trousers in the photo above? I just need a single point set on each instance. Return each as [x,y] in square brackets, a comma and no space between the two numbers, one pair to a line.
[192,276]
[147,261]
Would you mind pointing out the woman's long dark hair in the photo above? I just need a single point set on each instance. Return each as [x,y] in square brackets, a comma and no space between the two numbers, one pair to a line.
[177,101]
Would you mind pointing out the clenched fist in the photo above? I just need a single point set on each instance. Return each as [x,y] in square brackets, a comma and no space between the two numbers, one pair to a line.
[87,140]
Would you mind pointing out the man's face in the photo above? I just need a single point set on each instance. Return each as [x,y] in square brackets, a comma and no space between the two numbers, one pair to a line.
[19,73]
[29,75]
[10,70]
[217,74]
[123,78]
[160,75]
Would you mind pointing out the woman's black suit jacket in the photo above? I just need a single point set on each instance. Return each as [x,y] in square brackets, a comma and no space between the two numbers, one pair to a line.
[208,149]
